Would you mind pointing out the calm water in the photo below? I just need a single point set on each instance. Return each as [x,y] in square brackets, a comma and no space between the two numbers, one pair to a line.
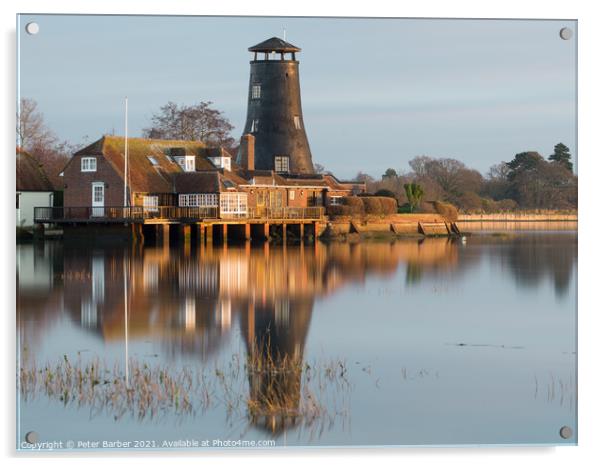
[411,342]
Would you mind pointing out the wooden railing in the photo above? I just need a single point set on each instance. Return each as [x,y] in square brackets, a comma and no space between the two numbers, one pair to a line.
[121,214]
[286,213]
[173,213]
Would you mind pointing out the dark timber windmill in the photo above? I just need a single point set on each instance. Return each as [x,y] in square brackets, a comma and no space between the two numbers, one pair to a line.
[274,115]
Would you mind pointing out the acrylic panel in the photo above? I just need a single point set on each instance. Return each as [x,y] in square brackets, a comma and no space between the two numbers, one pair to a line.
[264,232]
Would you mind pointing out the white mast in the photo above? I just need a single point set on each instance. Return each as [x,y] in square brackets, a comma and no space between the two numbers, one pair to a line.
[126,156]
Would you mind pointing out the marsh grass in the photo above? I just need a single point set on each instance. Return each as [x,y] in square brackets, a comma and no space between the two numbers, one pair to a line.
[267,392]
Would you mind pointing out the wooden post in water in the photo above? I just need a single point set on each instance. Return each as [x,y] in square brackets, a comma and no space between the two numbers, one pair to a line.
[201,234]
[164,234]
[186,232]
[137,233]
[209,234]
[225,233]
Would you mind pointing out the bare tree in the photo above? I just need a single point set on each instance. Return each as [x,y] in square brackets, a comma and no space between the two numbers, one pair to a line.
[31,128]
[35,137]
[198,122]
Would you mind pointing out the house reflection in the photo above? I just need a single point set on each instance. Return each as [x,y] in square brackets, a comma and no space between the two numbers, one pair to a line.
[189,300]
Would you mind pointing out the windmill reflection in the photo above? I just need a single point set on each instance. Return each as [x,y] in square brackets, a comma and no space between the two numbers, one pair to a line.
[275,334]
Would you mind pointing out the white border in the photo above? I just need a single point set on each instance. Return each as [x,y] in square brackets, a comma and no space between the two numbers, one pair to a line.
[590,155]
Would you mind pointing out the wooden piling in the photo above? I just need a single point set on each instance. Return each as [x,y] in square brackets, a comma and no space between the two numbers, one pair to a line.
[201,234]
[209,234]
[225,233]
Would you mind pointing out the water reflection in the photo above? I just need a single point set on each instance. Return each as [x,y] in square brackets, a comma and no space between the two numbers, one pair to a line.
[190,301]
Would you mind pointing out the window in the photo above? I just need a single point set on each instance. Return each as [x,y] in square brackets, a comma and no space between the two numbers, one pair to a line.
[336,200]
[187,162]
[198,200]
[281,164]
[150,203]
[297,121]
[98,192]
[152,160]
[221,162]
[254,126]
[233,204]
[256,91]
[261,198]
[291,195]
[88,164]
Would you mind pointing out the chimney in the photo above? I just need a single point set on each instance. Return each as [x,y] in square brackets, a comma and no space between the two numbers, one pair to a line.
[247,151]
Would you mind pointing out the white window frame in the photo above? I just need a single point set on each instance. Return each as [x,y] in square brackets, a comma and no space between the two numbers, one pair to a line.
[254,125]
[256,91]
[88,164]
[198,200]
[336,200]
[222,162]
[233,204]
[291,195]
[282,164]
[150,203]
[187,163]
[297,121]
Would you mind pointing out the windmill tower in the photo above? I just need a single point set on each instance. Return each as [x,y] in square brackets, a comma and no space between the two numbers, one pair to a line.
[274,115]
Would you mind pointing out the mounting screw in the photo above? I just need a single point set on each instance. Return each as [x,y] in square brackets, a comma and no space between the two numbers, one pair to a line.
[32,28]
[566,432]
[31,437]
[566,33]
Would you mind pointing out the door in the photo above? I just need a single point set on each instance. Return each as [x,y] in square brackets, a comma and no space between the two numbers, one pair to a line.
[98,199]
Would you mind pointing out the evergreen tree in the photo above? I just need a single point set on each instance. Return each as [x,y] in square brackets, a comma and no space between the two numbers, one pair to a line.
[562,156]
[414,193]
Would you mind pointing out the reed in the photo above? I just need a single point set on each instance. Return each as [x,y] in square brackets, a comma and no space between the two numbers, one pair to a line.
[273,391]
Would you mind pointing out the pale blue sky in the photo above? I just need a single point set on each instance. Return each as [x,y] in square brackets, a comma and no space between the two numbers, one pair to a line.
[375,92]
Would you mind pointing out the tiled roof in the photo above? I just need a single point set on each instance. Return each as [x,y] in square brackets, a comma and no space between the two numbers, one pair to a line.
[197,182]
[144,175]
[30,175]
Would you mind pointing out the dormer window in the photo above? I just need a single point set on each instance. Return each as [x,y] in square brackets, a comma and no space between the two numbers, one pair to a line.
[256,91]
[88,164]
[281,164]
[187,162]
[222,162]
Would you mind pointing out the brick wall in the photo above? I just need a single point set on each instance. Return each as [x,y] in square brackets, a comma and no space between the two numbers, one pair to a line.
[78,184]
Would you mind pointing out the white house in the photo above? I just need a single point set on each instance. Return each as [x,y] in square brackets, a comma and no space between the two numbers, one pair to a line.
[34,189]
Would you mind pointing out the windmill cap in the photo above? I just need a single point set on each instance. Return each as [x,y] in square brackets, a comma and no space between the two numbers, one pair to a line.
[275,44]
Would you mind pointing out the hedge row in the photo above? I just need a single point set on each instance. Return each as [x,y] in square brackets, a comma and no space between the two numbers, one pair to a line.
[449,211]
[371,205]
